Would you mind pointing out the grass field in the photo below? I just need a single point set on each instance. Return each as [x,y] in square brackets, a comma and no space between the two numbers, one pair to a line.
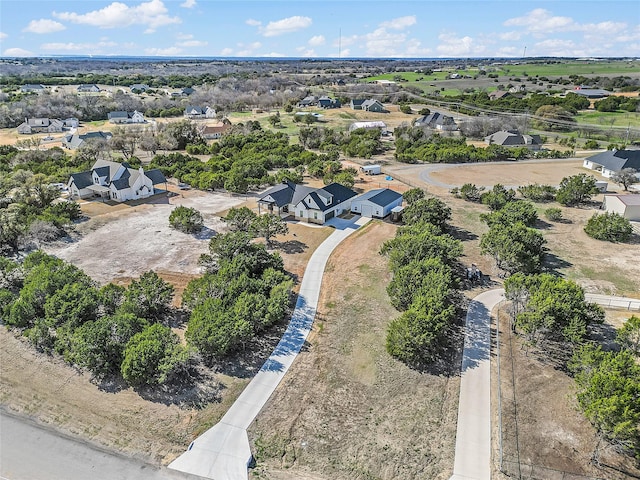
[607,119]
[565,69]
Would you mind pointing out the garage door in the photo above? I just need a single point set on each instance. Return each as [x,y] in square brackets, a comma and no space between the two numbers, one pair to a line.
[367,210]
[329,215]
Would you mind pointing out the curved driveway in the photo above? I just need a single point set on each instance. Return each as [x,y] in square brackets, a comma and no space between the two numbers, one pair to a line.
[223,452]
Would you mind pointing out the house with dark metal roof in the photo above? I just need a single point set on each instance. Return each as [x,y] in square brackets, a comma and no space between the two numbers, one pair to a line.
[114,181]
[326,102]
[613,161]
[514,139]
[126,117]
[436,121]
[88,88]
[308,204]
[73,141]
[376,203]
[590,92]
[40,125]
[372,105]
[32,88]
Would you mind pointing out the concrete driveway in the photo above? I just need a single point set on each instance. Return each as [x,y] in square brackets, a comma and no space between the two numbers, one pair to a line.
[223,452]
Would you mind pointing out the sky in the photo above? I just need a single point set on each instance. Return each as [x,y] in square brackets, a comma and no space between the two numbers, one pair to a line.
[312,28]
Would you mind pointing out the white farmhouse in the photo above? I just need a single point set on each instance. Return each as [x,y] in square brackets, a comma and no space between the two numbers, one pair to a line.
[114,181]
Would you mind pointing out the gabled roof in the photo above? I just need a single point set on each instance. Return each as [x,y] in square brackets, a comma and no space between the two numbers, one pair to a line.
[194,110]
[433,119]
[629,200]
[156,176]
[357,101]
[616,160]
[82,179]
[338,194]
[370,102]
[286,193]
[510,138]
[380,196]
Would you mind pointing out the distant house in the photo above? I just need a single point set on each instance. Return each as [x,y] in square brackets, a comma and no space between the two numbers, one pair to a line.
[88,88]
[497,94]
[213,132]
[195,112]
[32,88]
[613,161]
[627,206]
[373,106]
[126,117]
[512,138]
[326,102]
[114,181]
[71,122]
[369,125]
[308,204]
[436,121]
[376,203]
[139,87]
[183,92]
[309,101]
[40,125]
[356,103]
[75,140]
[590,92]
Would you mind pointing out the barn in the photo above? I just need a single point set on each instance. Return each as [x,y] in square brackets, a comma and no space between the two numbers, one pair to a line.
[376,203]
[626,205]
[371,169]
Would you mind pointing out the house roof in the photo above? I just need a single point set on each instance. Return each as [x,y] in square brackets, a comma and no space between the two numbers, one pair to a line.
[357,101]
[194,110]
[629,200]
[32,86]
[286,193]
[156,176]
[380,196]
[75,140]
[370,102]
[433,119]
[82,179]
[591,92]
[338,194]
[373,124]
[498,94]
[616,160]
[511,138]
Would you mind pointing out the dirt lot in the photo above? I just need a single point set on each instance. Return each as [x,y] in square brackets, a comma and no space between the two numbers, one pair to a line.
[347,409]
[543,431]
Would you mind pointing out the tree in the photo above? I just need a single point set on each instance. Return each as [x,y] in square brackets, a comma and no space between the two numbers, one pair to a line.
[554,214]
[629,335]
[471,192]
[186,219]
[344,178]
[497,197]
[512,212]
[609,226]
[625,177]
[275,119]
[410,280]
[148,297]
[153,356]
[515,248]
[553,117]
[608,385]
[576,189]
[268,226]
[240,219]
[537,192]
[413,195]
[404,108]
[431,210]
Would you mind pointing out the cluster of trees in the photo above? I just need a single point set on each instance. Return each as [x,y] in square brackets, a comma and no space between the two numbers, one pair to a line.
[186,219]
[361,142]
[611,227]
[240,162]
[244,291]
[110,330]
[511,241]
[615,103]
[423,288]
[415,144]
[28,214]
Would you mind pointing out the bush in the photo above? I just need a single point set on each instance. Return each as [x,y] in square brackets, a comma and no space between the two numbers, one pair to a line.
[537,192]
[553,214]
[610,227]
[471,192]
[185,219]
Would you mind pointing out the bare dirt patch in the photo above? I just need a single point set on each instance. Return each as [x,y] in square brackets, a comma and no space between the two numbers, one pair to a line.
[347,409]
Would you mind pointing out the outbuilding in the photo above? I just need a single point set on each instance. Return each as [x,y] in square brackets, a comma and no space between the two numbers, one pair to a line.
[627,206]
[371,169]
[376,203]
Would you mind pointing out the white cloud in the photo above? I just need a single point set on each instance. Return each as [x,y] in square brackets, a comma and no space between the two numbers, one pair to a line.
[44,26]
[453,46]
[559,48]
[226,52]
[308,53]
[75,47]
[317,41]
[253,23]
[400,23]
[286,25]
[153,14]
[188,4]
[184,36]
[510,36]
[274,54]
[541,21]
[163,52]
[3,35]
[17,52]
[192,43]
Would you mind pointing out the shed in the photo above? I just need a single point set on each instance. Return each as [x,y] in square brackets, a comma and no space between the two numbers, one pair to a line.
[626,205]
[396,213]
[371,169]
[376,203]
[602,186]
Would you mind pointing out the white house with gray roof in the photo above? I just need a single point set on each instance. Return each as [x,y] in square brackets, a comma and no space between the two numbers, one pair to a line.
[376,203]
[514,139]
[126,117]
[114,181]
[613,161]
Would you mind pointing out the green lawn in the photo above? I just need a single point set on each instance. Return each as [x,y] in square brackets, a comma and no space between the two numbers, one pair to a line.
[608,119]
[571,68]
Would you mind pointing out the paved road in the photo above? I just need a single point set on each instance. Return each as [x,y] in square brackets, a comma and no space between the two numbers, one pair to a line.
[473,437]
[223,452]
[613,302]
[31,452]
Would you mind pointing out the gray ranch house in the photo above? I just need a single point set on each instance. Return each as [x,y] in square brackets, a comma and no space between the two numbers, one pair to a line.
[436,121]
[514,139]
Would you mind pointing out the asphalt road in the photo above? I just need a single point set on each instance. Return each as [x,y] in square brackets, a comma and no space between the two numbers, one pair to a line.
[29,451]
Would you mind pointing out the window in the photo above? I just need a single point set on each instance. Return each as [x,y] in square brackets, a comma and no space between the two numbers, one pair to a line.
[315,215]
[301,213]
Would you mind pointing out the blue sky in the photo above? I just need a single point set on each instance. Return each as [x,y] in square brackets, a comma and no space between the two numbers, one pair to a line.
[310,28]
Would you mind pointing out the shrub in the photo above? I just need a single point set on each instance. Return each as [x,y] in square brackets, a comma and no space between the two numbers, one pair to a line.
[537,192]
[610,227]
[553,214]
[185,219]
